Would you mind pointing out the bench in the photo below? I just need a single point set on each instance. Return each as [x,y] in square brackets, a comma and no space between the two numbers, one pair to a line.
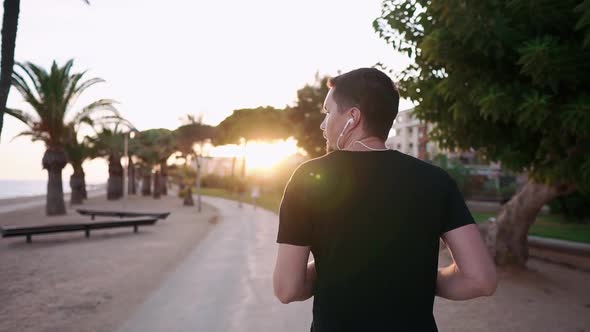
[121,214]
[29,231]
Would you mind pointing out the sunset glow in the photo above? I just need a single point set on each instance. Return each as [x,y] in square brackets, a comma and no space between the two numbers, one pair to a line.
[260,155]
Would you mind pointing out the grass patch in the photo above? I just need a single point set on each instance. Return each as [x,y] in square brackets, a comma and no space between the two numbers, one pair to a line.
[269,201]
[549,226]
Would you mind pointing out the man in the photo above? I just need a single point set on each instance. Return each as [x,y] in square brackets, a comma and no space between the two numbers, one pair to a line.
[373,218]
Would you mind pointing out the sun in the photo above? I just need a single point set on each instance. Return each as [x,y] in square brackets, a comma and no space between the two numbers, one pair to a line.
[266,155]
[260,155]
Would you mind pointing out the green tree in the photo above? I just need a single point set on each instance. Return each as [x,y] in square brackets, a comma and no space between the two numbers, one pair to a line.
[153,147]
[262,123]
[140,147]
[78,151]
[51,95]
[187,179]
[185,137]
[509,79]
[109,143]
[306,117]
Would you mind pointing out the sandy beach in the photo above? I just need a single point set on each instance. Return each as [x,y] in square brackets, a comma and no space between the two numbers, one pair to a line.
[66,282]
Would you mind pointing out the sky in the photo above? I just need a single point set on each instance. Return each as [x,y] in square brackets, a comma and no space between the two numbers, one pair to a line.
[164,59]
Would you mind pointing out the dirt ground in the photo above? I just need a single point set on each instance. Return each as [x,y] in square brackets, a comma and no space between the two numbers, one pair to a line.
[66,282]
[545,297]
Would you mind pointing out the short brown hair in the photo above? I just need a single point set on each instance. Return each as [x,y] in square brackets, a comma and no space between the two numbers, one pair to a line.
[373,92]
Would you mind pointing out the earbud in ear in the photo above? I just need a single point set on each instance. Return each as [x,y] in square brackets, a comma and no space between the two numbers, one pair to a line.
[351,120]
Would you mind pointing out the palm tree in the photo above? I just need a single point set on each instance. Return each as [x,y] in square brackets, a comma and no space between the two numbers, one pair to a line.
[186,177]
[9,28]
[78,152]
[186,136]
[51,95]
[140,147]
[109,143]
[153,147]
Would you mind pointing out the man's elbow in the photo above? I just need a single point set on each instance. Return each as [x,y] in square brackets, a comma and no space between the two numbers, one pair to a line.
[285,295]
[488,283]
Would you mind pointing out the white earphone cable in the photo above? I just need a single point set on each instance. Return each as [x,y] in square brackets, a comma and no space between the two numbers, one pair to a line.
[368,147]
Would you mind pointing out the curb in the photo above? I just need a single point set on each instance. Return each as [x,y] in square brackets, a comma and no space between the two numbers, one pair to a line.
[569,247]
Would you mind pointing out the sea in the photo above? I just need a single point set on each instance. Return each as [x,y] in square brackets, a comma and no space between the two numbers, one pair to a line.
[28,188]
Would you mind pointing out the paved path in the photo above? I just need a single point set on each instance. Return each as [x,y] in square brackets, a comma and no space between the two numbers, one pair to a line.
[225,284]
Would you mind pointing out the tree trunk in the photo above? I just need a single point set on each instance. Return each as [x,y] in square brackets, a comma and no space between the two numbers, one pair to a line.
[9,28]
[188,198]
[146,183]
[54,160]
[115,181]
[131,178]
[157,187]
[77,186]
[164,179]
[84,192]
[507,236]
[199,198]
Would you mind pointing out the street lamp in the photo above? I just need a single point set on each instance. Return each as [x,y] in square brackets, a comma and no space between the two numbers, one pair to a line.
[127,136]
[203,152]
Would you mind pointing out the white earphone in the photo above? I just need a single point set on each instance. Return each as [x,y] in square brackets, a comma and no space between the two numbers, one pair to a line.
[351,120]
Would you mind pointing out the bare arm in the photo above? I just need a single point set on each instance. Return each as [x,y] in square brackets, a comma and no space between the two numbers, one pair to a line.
[294,278]
[472,273]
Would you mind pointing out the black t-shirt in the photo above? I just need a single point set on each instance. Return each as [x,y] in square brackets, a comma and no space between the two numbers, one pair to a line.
[373,221]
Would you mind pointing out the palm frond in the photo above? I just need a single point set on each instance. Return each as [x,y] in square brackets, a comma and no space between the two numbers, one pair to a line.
[99,105]
[88,83]
[22,116]
[70,94]
[35,135]
[23,88]
[34,73]
[50,94]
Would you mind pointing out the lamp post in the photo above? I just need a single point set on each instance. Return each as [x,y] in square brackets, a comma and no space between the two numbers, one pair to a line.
[203,152]
[243,142]
[199,178]
[129,135]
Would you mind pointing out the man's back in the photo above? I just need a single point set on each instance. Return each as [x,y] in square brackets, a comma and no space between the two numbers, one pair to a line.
[373,221]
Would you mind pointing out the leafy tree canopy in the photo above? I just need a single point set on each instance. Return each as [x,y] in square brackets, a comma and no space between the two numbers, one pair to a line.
[262,123]
[508,78]
[307,117]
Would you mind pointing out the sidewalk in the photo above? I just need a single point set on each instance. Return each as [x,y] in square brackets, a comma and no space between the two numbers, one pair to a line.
[225,283]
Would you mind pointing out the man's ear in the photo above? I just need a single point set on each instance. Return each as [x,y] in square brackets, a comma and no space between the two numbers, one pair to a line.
[356,115]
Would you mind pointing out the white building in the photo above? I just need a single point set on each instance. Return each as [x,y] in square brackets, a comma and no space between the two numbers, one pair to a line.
[410,136]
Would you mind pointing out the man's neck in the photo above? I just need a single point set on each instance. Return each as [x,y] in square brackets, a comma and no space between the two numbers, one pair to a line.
[372,142]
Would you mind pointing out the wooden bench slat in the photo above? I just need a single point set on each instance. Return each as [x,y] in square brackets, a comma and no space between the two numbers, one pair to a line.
[28,231]
[122,214]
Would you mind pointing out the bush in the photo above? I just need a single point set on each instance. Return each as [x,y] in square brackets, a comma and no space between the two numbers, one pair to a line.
[476,185]
[574,207]
[456,170]
[216,181]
